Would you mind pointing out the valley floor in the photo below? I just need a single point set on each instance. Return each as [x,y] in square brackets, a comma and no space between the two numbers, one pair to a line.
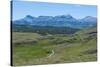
[36,49]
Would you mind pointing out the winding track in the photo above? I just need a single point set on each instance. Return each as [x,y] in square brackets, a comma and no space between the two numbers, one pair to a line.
[52,53]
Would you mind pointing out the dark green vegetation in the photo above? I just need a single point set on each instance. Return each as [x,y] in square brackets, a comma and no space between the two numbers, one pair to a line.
[44,29]
[33,48]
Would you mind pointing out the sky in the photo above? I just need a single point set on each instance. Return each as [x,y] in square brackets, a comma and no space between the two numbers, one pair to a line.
[22,8]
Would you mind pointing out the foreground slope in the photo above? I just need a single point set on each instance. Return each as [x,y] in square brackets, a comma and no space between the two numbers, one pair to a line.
[58,48]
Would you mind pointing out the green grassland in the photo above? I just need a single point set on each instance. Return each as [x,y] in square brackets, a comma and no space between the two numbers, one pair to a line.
[34,48]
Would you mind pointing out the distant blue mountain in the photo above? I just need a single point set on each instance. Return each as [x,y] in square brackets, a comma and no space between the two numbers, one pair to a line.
[57,21]
[88,21]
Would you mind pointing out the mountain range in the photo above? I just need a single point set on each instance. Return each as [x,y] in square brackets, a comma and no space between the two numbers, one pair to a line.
[57,21]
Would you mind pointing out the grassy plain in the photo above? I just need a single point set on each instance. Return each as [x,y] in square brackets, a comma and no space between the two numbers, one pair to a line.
[34,48]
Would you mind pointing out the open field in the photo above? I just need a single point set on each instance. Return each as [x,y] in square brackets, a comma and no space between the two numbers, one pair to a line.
[53,33]
[33,48]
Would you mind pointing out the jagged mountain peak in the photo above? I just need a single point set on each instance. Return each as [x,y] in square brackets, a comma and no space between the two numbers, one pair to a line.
[29,16]
[64,16]
[68,16]
[89,17]
[60,20]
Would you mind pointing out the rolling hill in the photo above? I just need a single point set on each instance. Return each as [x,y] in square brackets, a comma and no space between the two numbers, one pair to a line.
[32,48]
